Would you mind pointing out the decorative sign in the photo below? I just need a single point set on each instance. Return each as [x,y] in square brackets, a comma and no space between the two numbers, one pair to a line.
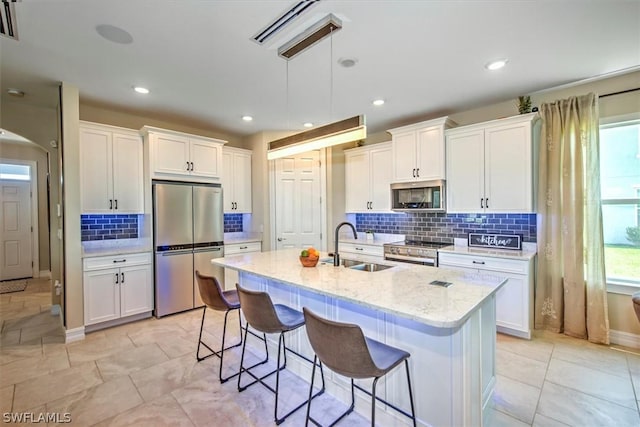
[501,241]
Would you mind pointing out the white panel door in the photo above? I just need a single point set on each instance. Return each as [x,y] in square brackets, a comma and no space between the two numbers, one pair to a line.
[127,174]
[380,179]
[171,155]
[508,186]
[15,218]
[96,179]
[357,181]
[227,180]
[136,290]
[430,154]
[298,207]
[465,172]
[242,184]
[404,157]
[101,295]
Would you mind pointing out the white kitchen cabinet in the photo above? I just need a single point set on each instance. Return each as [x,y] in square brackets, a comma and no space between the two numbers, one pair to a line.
[116,287]
[181,156]
[236,180]
[367,179]
[111,170]
[514,301]
[231,276]
[345,248]
[419,151]
[490,166]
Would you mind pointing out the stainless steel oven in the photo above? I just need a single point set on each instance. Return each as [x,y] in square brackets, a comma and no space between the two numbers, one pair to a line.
[414,252]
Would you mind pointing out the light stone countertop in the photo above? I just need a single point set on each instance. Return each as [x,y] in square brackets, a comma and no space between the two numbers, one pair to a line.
[94,248]
[241,237]
[402,290]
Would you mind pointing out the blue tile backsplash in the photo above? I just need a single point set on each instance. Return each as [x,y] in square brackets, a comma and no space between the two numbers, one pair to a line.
[232,223]
[108,227]
[444,227]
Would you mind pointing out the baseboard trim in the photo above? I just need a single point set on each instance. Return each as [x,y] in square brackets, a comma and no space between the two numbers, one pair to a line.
[45,274]
[75,334]
[624,338]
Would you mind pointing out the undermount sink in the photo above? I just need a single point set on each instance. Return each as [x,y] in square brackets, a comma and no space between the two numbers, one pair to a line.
[353,264]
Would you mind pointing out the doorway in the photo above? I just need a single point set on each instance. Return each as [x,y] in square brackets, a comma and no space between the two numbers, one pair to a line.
[299,212]
[18,220]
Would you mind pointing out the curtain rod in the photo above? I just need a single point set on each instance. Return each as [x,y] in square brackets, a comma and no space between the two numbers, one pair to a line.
[619,93]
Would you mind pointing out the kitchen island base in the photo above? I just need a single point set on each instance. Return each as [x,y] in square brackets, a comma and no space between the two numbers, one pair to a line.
[452,369]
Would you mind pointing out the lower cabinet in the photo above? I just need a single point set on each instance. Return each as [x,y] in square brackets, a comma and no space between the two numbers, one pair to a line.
[117,287]
[231,276]
[514,301]
[360,249]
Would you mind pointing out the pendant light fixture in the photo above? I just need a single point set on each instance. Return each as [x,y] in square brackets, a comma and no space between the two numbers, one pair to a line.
[340,132]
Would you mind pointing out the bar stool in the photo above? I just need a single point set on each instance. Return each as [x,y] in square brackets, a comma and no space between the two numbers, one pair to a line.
[215,298]
[345,350]
[266,317]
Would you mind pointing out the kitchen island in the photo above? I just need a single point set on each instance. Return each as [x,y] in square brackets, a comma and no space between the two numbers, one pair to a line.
[449,331]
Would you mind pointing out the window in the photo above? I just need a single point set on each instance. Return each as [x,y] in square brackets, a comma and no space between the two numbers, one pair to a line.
[620,192]
[15,172]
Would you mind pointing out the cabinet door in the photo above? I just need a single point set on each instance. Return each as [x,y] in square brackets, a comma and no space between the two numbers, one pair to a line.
[136,290]
[430,153]
[380,179]
[242,182]
[96,180]
[357,181]
[465,172]
[171,154]
[228,180]
[101,295]
[206,158]
[512,310]
[404,157]
[508,182]
[127,174]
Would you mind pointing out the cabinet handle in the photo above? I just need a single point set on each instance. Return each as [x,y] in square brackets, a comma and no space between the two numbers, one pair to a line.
[243,247]
[418,173]
[117,277]
[192,166]
[122,280]
[188,167]
[116,204]
[110,203]
[359,249]
[486,203]
[235,205]
[478,262]
[119,260]
[414,173]
[482,203]
[370,205]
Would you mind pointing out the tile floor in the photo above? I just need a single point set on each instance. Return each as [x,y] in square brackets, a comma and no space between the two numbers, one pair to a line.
[145,374]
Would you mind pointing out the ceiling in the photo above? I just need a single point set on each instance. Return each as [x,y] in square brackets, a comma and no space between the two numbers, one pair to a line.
[425,58]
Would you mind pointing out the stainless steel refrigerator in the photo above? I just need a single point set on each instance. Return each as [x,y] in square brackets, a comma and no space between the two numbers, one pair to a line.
[188,231]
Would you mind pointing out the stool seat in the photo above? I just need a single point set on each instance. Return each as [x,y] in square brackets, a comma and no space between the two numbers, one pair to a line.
[384,356]
[231,299]
[291,319]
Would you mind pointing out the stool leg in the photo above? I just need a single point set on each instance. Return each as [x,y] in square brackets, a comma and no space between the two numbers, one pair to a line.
[244,345]
[373,401]
[413,411]
[224,333]
[278,369]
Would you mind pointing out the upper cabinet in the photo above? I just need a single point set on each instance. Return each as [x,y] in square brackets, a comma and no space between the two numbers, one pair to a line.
[181,156]
[111,170]
[490,166]
[368,178]
[418,150]
[236,180]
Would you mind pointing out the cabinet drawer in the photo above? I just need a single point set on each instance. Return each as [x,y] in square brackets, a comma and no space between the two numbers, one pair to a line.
[373,250]
[240,248]
[483,263]
[111,261]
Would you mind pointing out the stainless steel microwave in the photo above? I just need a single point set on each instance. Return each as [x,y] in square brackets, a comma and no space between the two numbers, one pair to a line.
[418,196]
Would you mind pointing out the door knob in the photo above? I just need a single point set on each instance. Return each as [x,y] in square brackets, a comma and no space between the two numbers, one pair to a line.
[280,239]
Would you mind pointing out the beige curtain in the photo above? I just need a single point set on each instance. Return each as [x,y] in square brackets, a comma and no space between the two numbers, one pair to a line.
[571,294]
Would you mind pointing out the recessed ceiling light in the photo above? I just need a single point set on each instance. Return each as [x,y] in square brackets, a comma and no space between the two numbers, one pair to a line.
[378,102]
[247,118]
[15,92]
[496,65]
[308,125]
[141,89]
[114,34]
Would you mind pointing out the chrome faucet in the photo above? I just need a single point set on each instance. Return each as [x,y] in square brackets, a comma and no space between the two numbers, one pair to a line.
[336,257]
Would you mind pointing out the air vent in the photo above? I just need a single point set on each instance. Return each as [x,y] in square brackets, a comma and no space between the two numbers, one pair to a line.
[312,35]
[8,22]
[283,20]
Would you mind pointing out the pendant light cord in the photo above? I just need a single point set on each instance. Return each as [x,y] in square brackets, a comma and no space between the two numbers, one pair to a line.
[331,79]
[287,74]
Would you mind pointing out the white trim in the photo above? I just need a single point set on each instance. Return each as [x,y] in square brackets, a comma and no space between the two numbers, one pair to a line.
[75,334]
[46,274]
[624,338]
[623,288]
